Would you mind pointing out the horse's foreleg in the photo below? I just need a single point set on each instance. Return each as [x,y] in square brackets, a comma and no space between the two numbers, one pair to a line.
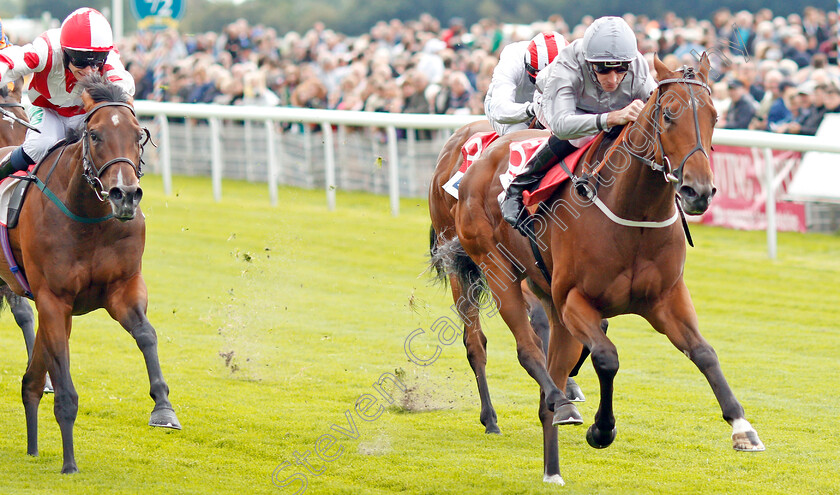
[563,353]
[476,344]
[584,322]
[129,308]
[529,348]
[676,318]
[551,457]
[51,353]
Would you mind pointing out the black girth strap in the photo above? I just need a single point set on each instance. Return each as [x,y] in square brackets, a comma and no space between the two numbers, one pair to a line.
[526,228]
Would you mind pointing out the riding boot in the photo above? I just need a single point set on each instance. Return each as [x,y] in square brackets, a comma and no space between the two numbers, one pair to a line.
[13,162]
[532,173]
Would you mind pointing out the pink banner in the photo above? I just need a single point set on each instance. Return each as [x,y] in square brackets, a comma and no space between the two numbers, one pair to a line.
[740,200]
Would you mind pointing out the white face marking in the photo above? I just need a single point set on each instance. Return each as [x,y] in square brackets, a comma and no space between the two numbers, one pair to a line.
[120,181]
[115,119]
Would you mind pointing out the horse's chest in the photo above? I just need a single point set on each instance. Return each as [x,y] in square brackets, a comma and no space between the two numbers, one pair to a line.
[628,285]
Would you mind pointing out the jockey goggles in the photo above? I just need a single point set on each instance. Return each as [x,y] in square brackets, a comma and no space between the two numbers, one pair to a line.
[607,67]
[81,59]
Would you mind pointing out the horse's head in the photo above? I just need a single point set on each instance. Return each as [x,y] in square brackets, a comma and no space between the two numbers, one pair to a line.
[685,119]
[13,118]
[112,146]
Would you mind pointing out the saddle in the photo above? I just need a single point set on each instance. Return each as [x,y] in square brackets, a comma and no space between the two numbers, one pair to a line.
[13,193]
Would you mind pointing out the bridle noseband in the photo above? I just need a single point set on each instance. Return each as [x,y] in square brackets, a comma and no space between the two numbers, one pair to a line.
[675,176]
[93,174]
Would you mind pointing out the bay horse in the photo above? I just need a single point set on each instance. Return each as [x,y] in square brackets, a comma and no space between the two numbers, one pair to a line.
[624,256]
[441,211]
[12,133]
[80,244]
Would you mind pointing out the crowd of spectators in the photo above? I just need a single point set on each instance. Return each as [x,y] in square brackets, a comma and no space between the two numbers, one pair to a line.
[768,72]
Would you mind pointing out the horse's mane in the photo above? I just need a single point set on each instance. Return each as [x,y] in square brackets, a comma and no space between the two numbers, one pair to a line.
[100,89]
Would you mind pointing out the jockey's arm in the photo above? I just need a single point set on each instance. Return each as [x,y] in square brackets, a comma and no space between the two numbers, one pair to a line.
[500,104]
[13,59]
[561,113]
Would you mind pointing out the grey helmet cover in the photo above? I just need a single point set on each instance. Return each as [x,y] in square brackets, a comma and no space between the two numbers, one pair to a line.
[609,39]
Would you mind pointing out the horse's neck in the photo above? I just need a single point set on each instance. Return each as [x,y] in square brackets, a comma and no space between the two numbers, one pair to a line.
[635,189]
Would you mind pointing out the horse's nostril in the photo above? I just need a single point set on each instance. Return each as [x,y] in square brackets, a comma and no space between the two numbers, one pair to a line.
[138,195]
[115,194]
[688,192]
[714,191]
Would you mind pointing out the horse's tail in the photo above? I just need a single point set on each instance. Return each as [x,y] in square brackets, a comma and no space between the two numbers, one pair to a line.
[448,257]
[435,262]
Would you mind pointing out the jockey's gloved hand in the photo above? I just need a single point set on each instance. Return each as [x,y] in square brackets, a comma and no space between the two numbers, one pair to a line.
[531,109]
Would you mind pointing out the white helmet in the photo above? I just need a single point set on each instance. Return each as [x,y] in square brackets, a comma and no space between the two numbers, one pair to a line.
[541,51]
[609,39]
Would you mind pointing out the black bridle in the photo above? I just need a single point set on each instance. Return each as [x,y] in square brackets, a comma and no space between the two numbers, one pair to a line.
[675,176]
[90,171]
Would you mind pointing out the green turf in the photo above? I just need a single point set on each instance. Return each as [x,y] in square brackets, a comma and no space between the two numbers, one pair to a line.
[274,321]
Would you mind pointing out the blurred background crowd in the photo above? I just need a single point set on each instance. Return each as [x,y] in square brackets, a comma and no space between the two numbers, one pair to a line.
[769,72]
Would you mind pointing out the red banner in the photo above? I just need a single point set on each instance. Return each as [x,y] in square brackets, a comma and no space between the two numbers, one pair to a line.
[740,201]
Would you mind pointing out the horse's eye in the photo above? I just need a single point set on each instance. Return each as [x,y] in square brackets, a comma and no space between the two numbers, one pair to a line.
[94,136]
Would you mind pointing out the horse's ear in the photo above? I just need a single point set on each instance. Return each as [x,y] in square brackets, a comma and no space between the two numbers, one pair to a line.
[705,65]
[662,71]
[87,101]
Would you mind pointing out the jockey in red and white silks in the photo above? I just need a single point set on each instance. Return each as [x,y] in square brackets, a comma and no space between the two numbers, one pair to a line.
[509,102]
[57,60]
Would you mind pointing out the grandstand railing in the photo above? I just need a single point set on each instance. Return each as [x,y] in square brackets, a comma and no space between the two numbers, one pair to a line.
[231,137]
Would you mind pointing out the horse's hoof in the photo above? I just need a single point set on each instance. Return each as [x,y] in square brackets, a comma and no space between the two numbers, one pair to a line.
[69,469]
[48,386]
[567,414]
[573,391]
[598,439]
[747,441]
[164,418]
[489,421]
[555,479]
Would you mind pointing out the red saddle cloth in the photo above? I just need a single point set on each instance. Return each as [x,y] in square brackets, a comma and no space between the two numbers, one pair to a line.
[474,146]
[471,150]
[555,176]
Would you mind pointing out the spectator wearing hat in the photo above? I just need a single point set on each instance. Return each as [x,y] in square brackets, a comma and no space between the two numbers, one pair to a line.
[742,109]
[827,100]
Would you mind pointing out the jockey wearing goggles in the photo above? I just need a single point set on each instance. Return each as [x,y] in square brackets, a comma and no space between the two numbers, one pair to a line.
[509,104]
[598,82]
[57,60]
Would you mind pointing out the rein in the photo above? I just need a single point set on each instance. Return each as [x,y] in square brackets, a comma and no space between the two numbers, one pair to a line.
[42,186]
[585,189]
